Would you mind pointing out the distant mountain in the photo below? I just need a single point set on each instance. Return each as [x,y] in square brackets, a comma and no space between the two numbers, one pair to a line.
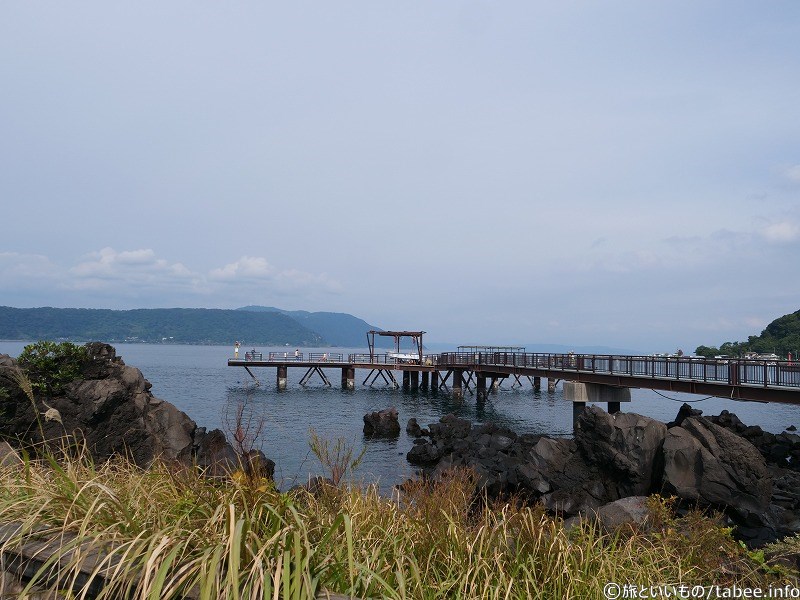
[338,329]
[164,325]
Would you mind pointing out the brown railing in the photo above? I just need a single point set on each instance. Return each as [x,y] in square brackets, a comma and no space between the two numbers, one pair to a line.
[728,371]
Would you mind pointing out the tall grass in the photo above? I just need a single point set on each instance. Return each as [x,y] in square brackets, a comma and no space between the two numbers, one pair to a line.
[169,532]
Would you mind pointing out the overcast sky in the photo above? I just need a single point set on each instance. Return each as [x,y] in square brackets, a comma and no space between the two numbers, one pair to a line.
[623,173]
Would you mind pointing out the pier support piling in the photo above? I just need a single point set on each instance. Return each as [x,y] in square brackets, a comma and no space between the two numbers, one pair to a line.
[414,381]
[406,380]
[458,382]
[435,382]
[348,378]
[577,410]
[480,387]
[282,378]
[425,381]
[551,385]
[537,384]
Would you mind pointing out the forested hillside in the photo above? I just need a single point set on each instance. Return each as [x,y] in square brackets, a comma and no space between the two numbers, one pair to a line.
[166,325]
[782,336]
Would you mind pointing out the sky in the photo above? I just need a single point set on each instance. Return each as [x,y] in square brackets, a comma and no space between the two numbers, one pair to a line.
[620,173]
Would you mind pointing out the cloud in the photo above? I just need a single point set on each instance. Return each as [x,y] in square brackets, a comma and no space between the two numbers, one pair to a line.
[108,267]
[18,269]
[781,232]
[257,271]
[793,173]
[139,277]
[246,268]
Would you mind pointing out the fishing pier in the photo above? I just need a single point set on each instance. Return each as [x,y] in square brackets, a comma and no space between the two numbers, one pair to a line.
[479,370]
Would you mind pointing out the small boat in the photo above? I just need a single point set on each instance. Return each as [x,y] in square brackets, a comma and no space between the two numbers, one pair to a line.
[403,357]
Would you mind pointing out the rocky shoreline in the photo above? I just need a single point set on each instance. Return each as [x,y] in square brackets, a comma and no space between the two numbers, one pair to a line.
[112,411]
[718,463]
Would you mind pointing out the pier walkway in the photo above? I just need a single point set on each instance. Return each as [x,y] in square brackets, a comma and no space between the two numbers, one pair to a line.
[756,380]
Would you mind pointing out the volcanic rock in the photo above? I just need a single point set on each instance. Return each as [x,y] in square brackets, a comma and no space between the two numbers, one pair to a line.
[382,423]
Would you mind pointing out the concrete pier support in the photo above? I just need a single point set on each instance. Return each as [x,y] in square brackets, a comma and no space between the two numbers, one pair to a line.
[435,382]
[495,385]
[414,381]
[348,378]
[425,381]
[537,384]
[551,385]
[282,371]
[406,380]
[480,387]
[581,393]
[458,384]
[577,410]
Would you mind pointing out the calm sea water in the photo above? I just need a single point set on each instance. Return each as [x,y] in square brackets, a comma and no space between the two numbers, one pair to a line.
[198,381]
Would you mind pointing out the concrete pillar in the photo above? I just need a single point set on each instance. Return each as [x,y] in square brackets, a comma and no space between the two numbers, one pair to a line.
[425,381]
[414,380]
[406,380]
[435,382]
[480,387]
[495,385]
[537,384]
[348,378]
[581,393]
[458,384]
[282,371]
[551,385]
[577,410]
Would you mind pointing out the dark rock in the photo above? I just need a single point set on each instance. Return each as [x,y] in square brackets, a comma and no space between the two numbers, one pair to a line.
[624,445]
[413,429]
[424,454]
[706,463]
[625,511]
[614,457]
[315,486]
[382,423]
[683,412]
[791,428]
[8,456]
[111,409]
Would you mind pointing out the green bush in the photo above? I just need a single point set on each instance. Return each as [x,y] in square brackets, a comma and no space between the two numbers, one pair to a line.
[50,366]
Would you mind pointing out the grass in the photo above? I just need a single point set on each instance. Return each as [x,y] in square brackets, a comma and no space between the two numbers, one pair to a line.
[169,532]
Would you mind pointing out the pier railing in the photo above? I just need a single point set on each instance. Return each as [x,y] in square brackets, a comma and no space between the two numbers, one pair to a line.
[729,371]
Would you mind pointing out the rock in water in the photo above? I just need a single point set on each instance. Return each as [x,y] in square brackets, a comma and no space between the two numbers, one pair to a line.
[382,423]
[413,429]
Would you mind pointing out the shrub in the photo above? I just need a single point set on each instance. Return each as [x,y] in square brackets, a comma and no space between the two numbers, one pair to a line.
[50,366]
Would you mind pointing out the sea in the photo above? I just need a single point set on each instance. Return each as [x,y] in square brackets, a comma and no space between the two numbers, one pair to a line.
[198,381]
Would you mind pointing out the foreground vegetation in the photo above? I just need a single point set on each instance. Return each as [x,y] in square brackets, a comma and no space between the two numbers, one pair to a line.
[170,532]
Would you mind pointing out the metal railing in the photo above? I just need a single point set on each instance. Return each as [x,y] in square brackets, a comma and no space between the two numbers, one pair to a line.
[729,371]
[284,356]
[325,357]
